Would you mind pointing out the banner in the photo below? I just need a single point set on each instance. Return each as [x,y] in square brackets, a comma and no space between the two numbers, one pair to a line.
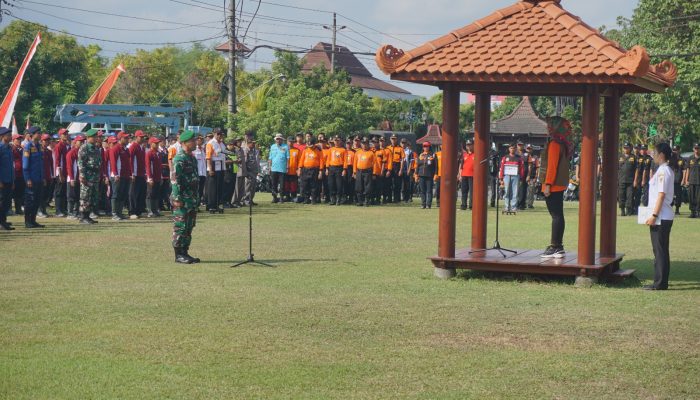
[14,127]
[8,104]
[99,96]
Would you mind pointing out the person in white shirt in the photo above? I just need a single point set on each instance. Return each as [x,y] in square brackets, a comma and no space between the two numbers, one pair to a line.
[199,154]
[661,191]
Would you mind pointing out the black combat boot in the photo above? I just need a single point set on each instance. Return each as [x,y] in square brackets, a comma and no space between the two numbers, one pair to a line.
[186,253]
[34,223]
[180,256]
[84,218]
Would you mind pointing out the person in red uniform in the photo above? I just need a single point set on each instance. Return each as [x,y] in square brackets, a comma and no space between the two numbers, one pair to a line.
[154,175]
[554,175]
[47,190]
[511,173]
[73,177]
[466,166]
[18,193]
[120,175]
[59,165]
[137,192]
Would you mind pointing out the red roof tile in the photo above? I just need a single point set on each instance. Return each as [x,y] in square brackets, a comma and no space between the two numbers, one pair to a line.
[223,47]
[530,41]
[434,136]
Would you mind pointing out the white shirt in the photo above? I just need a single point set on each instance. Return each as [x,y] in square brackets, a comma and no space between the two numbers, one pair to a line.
[201,161]
[662,182]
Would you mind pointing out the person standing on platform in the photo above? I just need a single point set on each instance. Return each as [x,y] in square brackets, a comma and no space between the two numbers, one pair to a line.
[646,161]
[627,178]
[406,171]
[554,175]
[33,171]
[120,175]
[661,220]
[335,170]
[692,181]
[678,178]
[250,169]
[89,164]
[510,174]
[466,167]
[73,177]
[18,192]
[59,165]
[533,166]
[310,166]
[426,170]
[7,177]
[438,175]
[291,180]
[278,160]
[154,177]
[184,198]
[47,192]
[363,171]
[215,170]
[349,181]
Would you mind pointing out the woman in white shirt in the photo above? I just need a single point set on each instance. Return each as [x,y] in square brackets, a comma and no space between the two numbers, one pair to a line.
[661,192]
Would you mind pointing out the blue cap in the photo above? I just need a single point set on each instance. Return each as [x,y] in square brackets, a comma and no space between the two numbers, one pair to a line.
[33,129]
[4,131]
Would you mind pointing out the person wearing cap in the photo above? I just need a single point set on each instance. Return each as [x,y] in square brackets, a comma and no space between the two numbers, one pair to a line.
[61,172]
[215,171]
[336,162]
[627,177]
[184,198]
[349,181]
[678,166]
[137,192]
[277,161]
[554,175]
[250,168]
[426,169]
[7,177]
[154,177]
[646,162]
[33,171]
[120,175]
[323,184]
[510,175]
[18,192]
[375,197]
[466,167]
[299,143]
[395,155]
[637,195]
[533,163]
[90,165]
[363,170]
[406,171]
[231,173]
[311,164]
[382,176]
[438,175]
[47,192]
[692,181]
[165,162]
[291,180]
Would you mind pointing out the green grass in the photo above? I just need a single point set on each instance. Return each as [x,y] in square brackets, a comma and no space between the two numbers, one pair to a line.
[351,311]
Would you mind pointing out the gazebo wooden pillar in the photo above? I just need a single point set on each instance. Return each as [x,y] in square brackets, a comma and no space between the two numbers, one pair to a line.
[531,48]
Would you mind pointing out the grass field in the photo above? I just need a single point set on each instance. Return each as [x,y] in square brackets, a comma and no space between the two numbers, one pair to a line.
[352,311]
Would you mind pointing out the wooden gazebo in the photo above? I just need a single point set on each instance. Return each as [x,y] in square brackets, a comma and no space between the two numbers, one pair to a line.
[522,124]
[531,48]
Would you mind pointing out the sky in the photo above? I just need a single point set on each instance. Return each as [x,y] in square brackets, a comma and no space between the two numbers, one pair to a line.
[368,23]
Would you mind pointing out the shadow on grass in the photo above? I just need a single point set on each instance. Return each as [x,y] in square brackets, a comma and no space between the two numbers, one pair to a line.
[273,262]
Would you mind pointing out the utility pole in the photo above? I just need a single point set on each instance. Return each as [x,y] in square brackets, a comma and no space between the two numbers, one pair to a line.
[335,30]
[232,110]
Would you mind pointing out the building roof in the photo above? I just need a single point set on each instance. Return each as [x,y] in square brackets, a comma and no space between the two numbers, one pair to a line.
[532,41]
[223,47]
[434,136]
[523,120]
[359,74]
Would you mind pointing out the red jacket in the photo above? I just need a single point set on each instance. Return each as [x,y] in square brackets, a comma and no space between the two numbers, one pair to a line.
[119,162]
[467,164]
[72,165]
[103,166]
[17,158]
[512,161]
[59,159]
[48,165]
[154,167]
[138,160]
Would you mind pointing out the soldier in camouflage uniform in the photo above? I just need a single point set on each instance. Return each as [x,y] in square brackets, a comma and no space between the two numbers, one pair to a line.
[89,164]
[184,198]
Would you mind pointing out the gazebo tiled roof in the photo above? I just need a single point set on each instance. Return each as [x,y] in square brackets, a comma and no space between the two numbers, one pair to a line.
[523,120]
[433,136]
[532,41]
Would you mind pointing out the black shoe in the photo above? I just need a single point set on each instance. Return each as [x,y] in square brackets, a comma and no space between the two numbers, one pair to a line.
[652,287]
[212,211]
[180,257]
[554,252]
[693,215]
[5,227]
[624,214]
[463,208]
[85,221]
[185,252]
[423,207]
[221,210]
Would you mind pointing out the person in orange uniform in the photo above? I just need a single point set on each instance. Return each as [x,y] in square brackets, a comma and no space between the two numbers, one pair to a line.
[363,171]
[377,172]
[395,153]
[311,164]
[323,185]
[384,179]
[291,180]
[349,187]
[466,166]
[554,175]
[426,165]
[336,162]
[438,175]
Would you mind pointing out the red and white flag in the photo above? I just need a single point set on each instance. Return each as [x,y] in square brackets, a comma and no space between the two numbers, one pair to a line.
[8,104]
[28,124]
[99,96]
[15,131]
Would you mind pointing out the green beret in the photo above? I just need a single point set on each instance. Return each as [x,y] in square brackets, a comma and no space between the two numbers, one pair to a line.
[186,136]
[91,132]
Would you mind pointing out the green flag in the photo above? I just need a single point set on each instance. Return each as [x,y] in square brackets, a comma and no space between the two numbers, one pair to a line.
[652,130]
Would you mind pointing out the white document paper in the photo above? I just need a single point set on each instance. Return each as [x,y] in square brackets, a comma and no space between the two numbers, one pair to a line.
[644,214]
[510,170]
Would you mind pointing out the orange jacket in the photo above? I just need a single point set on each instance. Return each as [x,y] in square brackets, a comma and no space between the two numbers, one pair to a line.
[336,157]
[364,159]
[311,157]
[293,162]
[379,161]
[438,171]
[553,166]
[349,158]
[396,154]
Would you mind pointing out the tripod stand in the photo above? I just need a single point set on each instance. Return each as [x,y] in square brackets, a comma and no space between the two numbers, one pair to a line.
[497,243]
[251,257]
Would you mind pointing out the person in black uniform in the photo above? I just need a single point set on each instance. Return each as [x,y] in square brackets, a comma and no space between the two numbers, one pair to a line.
[494,169]
[637,187]
[426,167]
[646,161]
[678,175]
[627,176]
[692,181]
[522,185]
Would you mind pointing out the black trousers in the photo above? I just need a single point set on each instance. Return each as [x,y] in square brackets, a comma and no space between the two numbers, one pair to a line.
[277,181]
[407,187]
[18,195]
[165,191]
[137,195]
[104,203]
[426,190]
[323,186]
[694,198]
[363,185]
[202,185]
[73,192]
[120,194]
[493,183]
[32,199]
[5,201]
[350,185]
[660,242]
[555,206]
[215,190]
[396,182]
[59,195]
[522,194]
[437,191]
[645,195]
[47,194]
[335,182]
[377,188]
[467,186]
[309,184]
[625,195]
[153,197]
[637,197]
[229,186]
[677,195]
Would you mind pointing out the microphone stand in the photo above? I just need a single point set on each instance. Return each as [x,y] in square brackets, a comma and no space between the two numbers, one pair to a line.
[251,256]
[497,243]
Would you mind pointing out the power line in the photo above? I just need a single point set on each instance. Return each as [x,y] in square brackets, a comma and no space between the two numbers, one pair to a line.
[196,5]
[251,19]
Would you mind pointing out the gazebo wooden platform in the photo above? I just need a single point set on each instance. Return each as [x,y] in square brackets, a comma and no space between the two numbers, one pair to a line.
[532,48]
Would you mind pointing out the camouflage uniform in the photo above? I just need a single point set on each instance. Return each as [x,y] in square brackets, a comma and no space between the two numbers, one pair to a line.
[89,163]
[185,189]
